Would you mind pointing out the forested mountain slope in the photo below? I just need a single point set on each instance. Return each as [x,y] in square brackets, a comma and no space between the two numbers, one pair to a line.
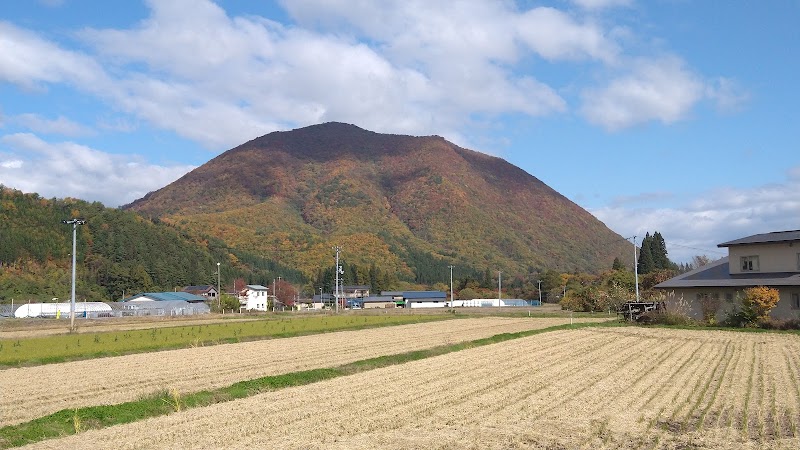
[117,251]
[410,205]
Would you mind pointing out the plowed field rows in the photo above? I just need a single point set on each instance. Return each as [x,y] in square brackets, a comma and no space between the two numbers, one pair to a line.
[33,392]
[587,388]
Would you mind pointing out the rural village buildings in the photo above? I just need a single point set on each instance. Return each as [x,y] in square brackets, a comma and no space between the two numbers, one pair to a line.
[769,259]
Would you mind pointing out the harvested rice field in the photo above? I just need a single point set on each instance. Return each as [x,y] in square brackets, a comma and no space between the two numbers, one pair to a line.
[590,388]
[32,392]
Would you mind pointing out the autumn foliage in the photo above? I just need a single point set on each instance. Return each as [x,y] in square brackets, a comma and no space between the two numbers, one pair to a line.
[759,301]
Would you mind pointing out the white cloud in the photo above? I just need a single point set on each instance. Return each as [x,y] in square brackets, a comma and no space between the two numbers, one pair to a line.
[412,66]
[66,169]
[11,164]
[60,125]
[601,4]
[712,217]
[727,94]
[28,60]
[663,90]
[555,36]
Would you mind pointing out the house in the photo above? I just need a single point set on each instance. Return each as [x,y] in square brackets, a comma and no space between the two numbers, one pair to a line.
[207,291]
[254,297]
[355,291]
[768,259]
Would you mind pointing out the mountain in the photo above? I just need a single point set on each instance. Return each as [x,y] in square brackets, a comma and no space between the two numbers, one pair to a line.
[410,205]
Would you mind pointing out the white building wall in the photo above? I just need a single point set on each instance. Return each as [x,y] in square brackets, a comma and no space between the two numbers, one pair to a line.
[256,300]
[439,304]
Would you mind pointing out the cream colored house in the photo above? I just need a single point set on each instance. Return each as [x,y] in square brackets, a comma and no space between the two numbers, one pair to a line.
[769,259]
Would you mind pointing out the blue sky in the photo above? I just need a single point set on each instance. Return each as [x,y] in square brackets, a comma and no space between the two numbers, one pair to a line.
[667,115]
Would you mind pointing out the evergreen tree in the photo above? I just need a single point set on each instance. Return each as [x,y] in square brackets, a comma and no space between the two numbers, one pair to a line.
[617,265]
[645,262]
[658,250]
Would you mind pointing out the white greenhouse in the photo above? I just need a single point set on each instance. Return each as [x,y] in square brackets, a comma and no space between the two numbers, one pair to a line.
[62,310]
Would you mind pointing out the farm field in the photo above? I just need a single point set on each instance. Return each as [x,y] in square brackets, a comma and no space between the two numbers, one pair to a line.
[28,328]
[32,392]
[624,387]
[59,348]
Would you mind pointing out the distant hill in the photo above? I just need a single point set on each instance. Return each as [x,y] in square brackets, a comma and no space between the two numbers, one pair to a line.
[408,205]
[118,251]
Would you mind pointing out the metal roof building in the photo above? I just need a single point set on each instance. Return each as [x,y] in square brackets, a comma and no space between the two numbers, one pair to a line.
[165,296]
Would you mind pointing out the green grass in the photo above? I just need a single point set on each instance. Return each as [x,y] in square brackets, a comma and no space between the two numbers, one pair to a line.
[62,423]
[65,347]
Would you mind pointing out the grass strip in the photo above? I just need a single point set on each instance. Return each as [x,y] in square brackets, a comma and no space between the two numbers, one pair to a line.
[71,347]
[71,421]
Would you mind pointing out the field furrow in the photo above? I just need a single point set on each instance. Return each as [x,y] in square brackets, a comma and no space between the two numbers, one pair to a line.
[32,392]
[596,388]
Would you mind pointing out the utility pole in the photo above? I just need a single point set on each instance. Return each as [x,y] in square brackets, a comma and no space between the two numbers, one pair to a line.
[635,269]
[338,271]
[74,223]
[219,291]
[276,294]
[540,291]
[452,299]
[499,288]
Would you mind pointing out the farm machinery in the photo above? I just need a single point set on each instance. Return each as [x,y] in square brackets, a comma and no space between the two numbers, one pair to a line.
[640,311]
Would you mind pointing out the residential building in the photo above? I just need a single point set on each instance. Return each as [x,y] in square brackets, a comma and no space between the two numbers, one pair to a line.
[207,291]
[768,259]
[254,297]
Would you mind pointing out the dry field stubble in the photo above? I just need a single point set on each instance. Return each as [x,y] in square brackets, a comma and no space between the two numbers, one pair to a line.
[30,328]
[33,392]
[588,388]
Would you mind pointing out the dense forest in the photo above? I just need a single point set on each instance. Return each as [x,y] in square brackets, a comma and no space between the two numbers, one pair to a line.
[121,253]
[117,252]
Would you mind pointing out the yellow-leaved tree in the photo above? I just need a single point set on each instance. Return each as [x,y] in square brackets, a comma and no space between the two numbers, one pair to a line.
[759,301]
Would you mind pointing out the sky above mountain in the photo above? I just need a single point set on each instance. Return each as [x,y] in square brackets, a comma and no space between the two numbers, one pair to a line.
[664,115]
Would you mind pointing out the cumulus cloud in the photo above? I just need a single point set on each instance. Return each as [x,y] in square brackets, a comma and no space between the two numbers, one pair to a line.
[712,217]
[409,66]
[67,169]
[556,36]
[31,61]
[664,90]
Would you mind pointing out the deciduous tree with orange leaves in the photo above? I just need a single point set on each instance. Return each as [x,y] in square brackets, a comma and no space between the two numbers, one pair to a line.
[759,301]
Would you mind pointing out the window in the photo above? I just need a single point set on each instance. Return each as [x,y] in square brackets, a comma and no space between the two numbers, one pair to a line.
[749,263]
[795,300]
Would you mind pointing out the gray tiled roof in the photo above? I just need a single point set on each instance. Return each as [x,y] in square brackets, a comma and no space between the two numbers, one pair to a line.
[717,274]
[775,236]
